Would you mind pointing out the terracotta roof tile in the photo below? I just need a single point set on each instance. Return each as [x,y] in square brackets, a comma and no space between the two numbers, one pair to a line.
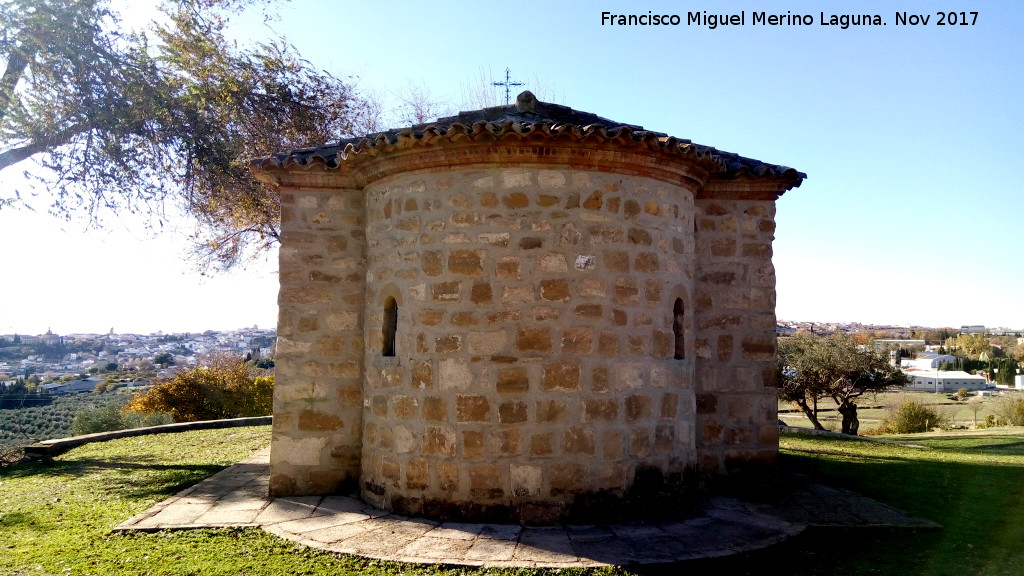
[527,117]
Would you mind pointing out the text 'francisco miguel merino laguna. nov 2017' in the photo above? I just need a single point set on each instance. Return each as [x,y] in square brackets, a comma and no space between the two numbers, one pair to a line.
[842,21]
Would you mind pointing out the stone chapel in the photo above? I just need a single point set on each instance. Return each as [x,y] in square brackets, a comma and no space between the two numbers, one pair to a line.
[524,313]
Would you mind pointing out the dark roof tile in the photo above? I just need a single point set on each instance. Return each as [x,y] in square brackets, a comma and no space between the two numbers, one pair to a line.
[528,116]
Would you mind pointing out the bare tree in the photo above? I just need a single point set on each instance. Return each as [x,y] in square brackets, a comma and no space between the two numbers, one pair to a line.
[975,405]
[479,91]
[419,106]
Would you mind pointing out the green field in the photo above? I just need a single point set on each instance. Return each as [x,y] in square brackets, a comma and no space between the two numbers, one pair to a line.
[56,519]
[872,410]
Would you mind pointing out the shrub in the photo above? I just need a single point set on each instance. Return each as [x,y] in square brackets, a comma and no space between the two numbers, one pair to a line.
[910,416]
[109,417]
[264,363]
[226,388]
[140,420]
[990,422]
[103,418]
[1011,411]
[10,455]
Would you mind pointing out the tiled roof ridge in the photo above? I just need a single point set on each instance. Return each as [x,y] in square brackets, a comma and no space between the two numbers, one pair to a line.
[525,119]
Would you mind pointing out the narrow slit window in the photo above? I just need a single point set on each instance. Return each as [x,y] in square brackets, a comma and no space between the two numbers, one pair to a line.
[678,317]
[390,329]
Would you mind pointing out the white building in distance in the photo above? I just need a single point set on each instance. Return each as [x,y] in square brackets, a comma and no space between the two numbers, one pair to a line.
[944,381]
[927,361]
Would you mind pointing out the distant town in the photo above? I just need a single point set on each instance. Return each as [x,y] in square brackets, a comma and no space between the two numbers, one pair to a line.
[70,363]
[926,355]
[786,327]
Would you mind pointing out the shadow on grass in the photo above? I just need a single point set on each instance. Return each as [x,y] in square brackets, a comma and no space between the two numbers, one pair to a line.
[994,444]
[1006,449]
[974,500]
[136,477]
[818,552]
[21,520]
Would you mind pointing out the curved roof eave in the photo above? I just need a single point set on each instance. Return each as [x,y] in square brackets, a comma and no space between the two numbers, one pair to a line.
[529,117]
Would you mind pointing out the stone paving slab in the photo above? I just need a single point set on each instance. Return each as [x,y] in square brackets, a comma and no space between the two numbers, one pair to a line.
[237,496]
[491,550]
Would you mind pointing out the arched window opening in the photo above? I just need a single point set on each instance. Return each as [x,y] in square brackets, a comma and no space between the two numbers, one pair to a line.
[678,328]
[390,328]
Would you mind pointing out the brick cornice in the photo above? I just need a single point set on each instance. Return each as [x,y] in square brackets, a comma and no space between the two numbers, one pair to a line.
[513,151]
[745,188]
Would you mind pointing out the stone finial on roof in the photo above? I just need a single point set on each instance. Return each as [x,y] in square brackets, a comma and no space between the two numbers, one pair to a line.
[526,102]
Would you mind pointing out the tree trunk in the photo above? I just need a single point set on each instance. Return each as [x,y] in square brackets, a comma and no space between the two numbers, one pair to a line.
[17,63]
[811,414]
[850,422]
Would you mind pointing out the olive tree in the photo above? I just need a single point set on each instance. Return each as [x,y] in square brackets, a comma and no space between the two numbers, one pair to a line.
[121,121]
[812,368]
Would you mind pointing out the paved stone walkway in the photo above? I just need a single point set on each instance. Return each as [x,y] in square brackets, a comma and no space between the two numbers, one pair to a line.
[237,496]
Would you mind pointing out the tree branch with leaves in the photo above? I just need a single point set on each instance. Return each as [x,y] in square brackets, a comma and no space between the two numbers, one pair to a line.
[124,121]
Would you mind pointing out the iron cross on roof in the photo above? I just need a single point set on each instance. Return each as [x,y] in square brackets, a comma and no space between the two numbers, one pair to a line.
[508,84]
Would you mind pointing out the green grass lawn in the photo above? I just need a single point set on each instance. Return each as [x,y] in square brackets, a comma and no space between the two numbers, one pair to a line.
[56,519]
[967,482]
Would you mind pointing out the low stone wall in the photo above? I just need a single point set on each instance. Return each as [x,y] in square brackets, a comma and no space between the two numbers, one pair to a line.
[57,446]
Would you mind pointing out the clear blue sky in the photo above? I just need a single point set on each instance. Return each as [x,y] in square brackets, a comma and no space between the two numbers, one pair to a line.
[910,137]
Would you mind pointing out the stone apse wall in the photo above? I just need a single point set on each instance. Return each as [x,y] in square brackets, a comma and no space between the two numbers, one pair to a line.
[534,332]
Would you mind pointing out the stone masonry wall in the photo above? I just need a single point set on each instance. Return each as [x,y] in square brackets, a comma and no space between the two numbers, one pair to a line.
[318,391]
[735,342]
[533,374]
